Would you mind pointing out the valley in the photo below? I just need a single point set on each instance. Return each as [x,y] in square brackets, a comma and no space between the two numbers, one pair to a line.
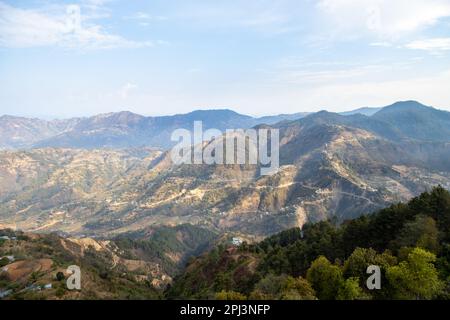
[144,217]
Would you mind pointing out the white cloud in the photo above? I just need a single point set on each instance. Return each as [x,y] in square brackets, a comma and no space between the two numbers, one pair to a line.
[434,45]
[126,89]
[144,16]
[384,18]
[96,2]
[144,19]
[95,5]
[381,44]
[313,74]
[263,16]
[23,28]
[310,77]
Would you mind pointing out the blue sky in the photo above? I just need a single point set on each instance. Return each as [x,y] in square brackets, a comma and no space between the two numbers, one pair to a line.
[155,57]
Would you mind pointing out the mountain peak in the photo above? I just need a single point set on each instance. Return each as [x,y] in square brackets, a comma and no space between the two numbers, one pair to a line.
[416,120]
[406,105]
[117,114]
[323,114]
[214,111]
[121,117]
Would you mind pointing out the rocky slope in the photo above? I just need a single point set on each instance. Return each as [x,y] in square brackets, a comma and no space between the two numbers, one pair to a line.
[37,269]
[331,166]
[133,266]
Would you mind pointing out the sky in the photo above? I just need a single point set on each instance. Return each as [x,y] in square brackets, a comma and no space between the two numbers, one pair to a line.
[61,59]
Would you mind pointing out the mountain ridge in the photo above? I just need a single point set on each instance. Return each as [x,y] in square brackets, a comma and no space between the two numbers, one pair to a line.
[127,129]
[118,129]
[330,166]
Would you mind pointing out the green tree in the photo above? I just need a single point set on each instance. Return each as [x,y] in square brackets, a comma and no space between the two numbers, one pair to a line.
[415,278]
[276,261]
[259,295]
[325,278]
[350,290]
[230,295]
[443,262]
[269,287]
[223,281]
[421,232]
[297,289]
[284,287]
[356,265]
[4,262]
[435,204]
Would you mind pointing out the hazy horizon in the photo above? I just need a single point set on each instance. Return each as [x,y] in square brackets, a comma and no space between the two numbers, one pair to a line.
[49,117]
[63,58]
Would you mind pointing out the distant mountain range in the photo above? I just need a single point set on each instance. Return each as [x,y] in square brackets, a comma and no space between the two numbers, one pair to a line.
[126,129]
[119,130]
[332,165]
[364,111]
[407,120]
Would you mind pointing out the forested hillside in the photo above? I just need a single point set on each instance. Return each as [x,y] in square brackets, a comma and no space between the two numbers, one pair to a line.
[410,243]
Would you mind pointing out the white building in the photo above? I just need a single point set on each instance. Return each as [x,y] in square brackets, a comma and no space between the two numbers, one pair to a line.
[10,258]
[236,241]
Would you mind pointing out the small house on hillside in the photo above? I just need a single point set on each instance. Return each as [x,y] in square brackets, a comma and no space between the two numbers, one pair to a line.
[10,258]
[236,241]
